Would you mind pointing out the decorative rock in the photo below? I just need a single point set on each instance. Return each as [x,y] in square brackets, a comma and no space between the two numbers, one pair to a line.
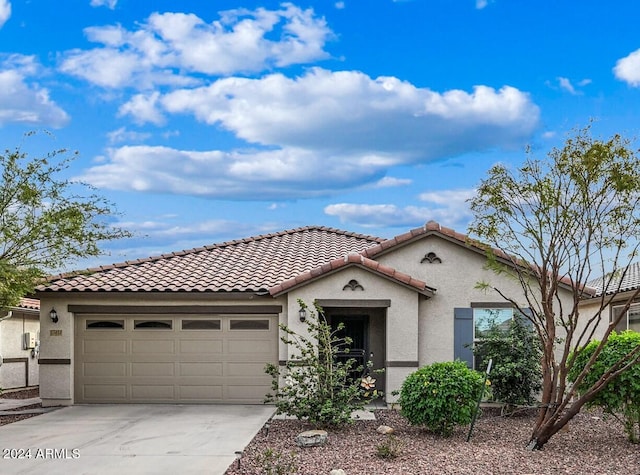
[312,438]
[386,430]
[337,471]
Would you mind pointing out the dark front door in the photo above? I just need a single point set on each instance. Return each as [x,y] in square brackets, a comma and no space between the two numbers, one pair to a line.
[356,327]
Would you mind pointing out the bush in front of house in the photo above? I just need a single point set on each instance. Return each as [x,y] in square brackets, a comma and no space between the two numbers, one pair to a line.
[516,375]
[621,397]
[441,396]
[315,385]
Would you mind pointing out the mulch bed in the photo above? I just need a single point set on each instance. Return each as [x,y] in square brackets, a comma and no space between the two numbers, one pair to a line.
[20,393]
[591,445]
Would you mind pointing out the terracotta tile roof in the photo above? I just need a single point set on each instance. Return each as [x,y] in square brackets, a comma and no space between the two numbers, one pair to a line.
[432,227]
[247,265]
[620,281]
[28,304]
[349,260]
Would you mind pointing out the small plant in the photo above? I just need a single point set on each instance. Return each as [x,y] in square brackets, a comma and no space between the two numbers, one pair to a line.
[621,397]
[318,386]
[277,463]
[390,448]
[441,396]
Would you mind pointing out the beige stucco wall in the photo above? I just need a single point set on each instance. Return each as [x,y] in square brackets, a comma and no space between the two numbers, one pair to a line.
[401,327]
[14,374]
[590,307]
[455,280]
[57,339]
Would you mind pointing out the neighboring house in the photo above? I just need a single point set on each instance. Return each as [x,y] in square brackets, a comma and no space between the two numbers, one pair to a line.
[19,335]
[614,291]
[198,326]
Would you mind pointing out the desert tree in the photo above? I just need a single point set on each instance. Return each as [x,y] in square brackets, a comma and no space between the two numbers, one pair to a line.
[46,221]
[554,224]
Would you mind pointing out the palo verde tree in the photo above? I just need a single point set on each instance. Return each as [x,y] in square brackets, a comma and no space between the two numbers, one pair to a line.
[45,221]
[553,225]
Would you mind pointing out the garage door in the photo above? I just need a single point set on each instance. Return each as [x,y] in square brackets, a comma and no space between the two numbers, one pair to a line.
[174,359]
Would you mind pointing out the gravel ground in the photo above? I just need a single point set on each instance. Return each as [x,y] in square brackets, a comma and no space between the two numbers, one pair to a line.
[20,394]
[591,445]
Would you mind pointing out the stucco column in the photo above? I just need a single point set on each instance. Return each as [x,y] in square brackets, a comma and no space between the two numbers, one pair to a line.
[56,355]
[402,343]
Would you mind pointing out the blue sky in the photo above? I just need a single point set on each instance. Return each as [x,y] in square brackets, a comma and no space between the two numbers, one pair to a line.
[205,121]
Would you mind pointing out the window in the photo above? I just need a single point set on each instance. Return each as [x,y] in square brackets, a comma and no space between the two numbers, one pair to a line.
[201,324]
[630,321]
[153,324]
[483,320]
[105,324]
[248,324]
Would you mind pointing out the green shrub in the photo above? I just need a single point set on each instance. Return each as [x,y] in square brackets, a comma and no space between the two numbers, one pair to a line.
[441,396]
[318,386]
[516,374]
[621,397]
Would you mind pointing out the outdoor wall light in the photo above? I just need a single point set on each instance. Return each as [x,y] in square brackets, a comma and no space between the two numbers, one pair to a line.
[54,315]
[302,313]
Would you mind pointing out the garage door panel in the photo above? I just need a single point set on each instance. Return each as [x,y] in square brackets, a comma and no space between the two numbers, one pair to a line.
[250,346]
[240,392]
[103,369]
[104,347]
[144,370]
[200,364]
[255,369]
[153,346]
[152,392]
[201,369]
[105,392]
[201,393]
[191,346]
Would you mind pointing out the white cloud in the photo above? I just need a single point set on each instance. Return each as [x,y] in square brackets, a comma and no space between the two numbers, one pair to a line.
[123,135]
[448,207]
[169,46]
[627,69]
[5,11]
[339,5]
[323,132]
[389,181]
[110,4]
[257,175]
[566,85]
[143,109]
[24,101]
[348,111]
[480,4]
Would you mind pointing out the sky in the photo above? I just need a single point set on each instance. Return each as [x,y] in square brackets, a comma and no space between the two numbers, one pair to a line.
[207,121]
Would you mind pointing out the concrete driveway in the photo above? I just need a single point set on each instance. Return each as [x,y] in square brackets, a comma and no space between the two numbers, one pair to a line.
[130,439]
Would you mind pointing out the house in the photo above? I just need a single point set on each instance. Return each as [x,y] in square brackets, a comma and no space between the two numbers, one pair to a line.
[198,326]
[613,291]
[19,335]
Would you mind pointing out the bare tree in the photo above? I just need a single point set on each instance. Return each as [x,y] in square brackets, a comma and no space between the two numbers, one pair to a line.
[561,222]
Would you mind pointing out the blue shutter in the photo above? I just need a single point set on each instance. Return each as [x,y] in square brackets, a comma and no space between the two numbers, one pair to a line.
[463,335]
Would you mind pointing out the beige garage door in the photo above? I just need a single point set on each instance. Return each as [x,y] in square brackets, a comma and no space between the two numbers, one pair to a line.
[174,359]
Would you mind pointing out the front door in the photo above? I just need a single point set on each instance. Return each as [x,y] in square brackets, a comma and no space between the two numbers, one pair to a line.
[356,327]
